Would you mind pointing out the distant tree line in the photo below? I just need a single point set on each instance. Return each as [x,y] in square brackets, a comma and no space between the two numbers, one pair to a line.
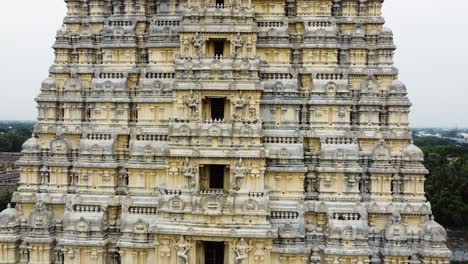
[447,184]
[14,134]
[5,199]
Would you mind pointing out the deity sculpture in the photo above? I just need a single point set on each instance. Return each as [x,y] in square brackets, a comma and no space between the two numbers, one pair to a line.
[195,200]
[189,171]
[252,109]
[192,102]
[239,173]
[239,104]
[198,43]
[237,43]
[242,250]
[183,247]
[123,177]
[186,45]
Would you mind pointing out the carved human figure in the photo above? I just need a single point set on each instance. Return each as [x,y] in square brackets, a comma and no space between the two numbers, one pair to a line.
[126,203]
[24,252]
[237,44]
[189,171]
[123,176]
[186,45]
[183,247]
[58,254]
[309,186]
[242,250]
[342,113]
[198,43]
[253,109]
[40,206]
[395,218]
[239,173]
[69,205]
[239,169]
[192,103]
[45,175]
[107,56]
[239,104]
[195,200]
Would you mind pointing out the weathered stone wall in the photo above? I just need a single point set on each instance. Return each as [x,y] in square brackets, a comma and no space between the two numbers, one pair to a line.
[238,131]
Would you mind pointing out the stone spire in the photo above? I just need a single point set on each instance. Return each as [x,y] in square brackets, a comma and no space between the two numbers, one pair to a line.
[240,131]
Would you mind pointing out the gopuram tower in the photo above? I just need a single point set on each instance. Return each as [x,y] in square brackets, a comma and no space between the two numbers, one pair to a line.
[222,132]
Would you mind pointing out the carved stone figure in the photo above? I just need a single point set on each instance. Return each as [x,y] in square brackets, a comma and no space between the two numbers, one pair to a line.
[183,247]
[193,103]
[253,109]
[237,44]
[137,125]
[242,250]
[239,173]
[198,43]
[238,103]
[186,45]
[189,172]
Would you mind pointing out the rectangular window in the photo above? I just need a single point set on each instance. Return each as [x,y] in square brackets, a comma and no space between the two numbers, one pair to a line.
[219,48]
[220,3]
[216,176]
[214,252]
[217,108]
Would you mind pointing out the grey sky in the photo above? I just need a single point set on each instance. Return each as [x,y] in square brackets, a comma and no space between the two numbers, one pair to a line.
[432,56]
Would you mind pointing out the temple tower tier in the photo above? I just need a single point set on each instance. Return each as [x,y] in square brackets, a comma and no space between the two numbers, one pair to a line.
[222,132]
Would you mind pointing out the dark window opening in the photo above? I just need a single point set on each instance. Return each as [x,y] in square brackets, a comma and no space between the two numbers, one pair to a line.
[88,115]
[219,48]
[216,177]
[217,108]
[220,3]
[214,252]
[126,181]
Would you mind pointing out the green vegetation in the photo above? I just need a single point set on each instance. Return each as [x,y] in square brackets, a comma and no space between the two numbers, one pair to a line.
[14,134]
[447,184]
[5,199]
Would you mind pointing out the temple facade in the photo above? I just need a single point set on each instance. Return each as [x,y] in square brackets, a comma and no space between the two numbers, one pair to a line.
[222,132]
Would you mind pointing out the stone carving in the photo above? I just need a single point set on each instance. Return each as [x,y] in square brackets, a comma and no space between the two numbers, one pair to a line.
[242,250]
[239,173]
[186,46]
[41,217]
[183,247]
[193,101]
[189,172]
[127,155]
[123,177]
[252,109]
[238,103]
[176,204]
[126,203]
[237,44]
[45,175]
[195,201]
[212,203]
[198,43]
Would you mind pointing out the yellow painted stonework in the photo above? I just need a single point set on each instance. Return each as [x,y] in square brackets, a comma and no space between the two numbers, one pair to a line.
[222,132]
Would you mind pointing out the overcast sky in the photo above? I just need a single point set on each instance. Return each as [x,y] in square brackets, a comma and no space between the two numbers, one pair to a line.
[432,56]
